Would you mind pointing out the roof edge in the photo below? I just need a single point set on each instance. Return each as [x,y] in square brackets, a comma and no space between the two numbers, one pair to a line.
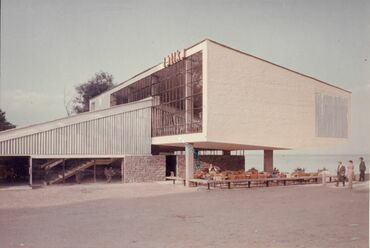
[138,74]
[304,75]
[76,116]
[231,48]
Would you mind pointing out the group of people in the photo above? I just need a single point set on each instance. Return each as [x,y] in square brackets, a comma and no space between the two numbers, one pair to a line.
[344,173]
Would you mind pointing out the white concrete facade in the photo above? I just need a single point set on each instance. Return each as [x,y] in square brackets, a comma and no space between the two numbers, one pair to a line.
[253,104]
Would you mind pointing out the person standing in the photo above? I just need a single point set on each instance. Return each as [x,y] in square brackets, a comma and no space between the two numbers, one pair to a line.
[350,173]
[362,168]
[341,173]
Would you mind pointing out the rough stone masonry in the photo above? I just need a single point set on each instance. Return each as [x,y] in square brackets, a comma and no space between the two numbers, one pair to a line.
[138,169]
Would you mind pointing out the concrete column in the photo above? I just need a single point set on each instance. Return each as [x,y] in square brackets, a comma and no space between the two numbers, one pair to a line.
[323,174]
[268,162]
[189,163]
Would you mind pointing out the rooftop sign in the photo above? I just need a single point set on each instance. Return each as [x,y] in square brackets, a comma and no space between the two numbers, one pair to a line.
[173,58]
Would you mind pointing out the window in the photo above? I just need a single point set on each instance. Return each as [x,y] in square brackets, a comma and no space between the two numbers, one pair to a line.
[331,116]
[177,96]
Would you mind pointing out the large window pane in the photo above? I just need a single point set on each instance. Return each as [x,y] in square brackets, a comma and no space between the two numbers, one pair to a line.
[171,114]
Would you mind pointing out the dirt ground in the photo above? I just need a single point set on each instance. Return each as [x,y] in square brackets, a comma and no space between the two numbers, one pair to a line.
[154,215]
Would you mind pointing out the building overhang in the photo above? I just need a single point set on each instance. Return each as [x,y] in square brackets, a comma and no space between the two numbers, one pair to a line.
[208,145]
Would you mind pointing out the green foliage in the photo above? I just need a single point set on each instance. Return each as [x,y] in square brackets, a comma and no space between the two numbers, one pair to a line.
[100,83]
[4,124]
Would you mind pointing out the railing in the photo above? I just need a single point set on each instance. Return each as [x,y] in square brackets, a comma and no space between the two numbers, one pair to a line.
[63,174]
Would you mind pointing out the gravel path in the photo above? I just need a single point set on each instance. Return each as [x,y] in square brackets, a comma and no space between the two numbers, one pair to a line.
[165,215]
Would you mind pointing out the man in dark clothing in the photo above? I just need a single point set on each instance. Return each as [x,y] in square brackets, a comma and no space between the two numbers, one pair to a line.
[362,168]
[341,174]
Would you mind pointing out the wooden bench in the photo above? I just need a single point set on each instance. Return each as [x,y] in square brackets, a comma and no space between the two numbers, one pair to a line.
[174,179]
[202,181]
[265,181]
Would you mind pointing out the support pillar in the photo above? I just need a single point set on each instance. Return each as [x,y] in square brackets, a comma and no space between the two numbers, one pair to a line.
[189,163]
[268,161]
[30,170]
[323,174]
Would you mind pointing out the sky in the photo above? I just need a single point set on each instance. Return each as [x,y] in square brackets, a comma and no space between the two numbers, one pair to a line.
[49,47]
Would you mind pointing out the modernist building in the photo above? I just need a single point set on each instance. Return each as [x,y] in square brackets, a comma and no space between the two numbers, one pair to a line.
[205,97]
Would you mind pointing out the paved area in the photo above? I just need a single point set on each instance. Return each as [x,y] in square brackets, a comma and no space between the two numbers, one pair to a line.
[165,215]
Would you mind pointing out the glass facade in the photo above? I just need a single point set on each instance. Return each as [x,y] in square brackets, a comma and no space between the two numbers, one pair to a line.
[177,97]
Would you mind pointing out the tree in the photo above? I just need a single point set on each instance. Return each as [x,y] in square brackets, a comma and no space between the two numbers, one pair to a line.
[102,81]
[4,124]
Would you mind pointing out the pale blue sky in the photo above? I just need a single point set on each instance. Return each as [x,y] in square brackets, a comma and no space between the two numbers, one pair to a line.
[48,47]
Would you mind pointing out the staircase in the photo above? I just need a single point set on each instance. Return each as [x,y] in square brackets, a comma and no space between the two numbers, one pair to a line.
[80,167]
[50,164]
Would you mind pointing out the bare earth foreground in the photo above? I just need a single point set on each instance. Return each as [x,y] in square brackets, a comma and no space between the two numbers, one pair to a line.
[165,215]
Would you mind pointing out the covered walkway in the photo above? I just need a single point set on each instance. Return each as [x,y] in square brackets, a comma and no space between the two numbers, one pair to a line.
[92,138]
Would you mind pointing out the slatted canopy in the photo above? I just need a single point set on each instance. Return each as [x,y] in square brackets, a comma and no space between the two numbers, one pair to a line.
[120,130]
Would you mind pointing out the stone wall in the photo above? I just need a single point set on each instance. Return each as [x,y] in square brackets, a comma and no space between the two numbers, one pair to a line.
[138,169]
[225,162]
